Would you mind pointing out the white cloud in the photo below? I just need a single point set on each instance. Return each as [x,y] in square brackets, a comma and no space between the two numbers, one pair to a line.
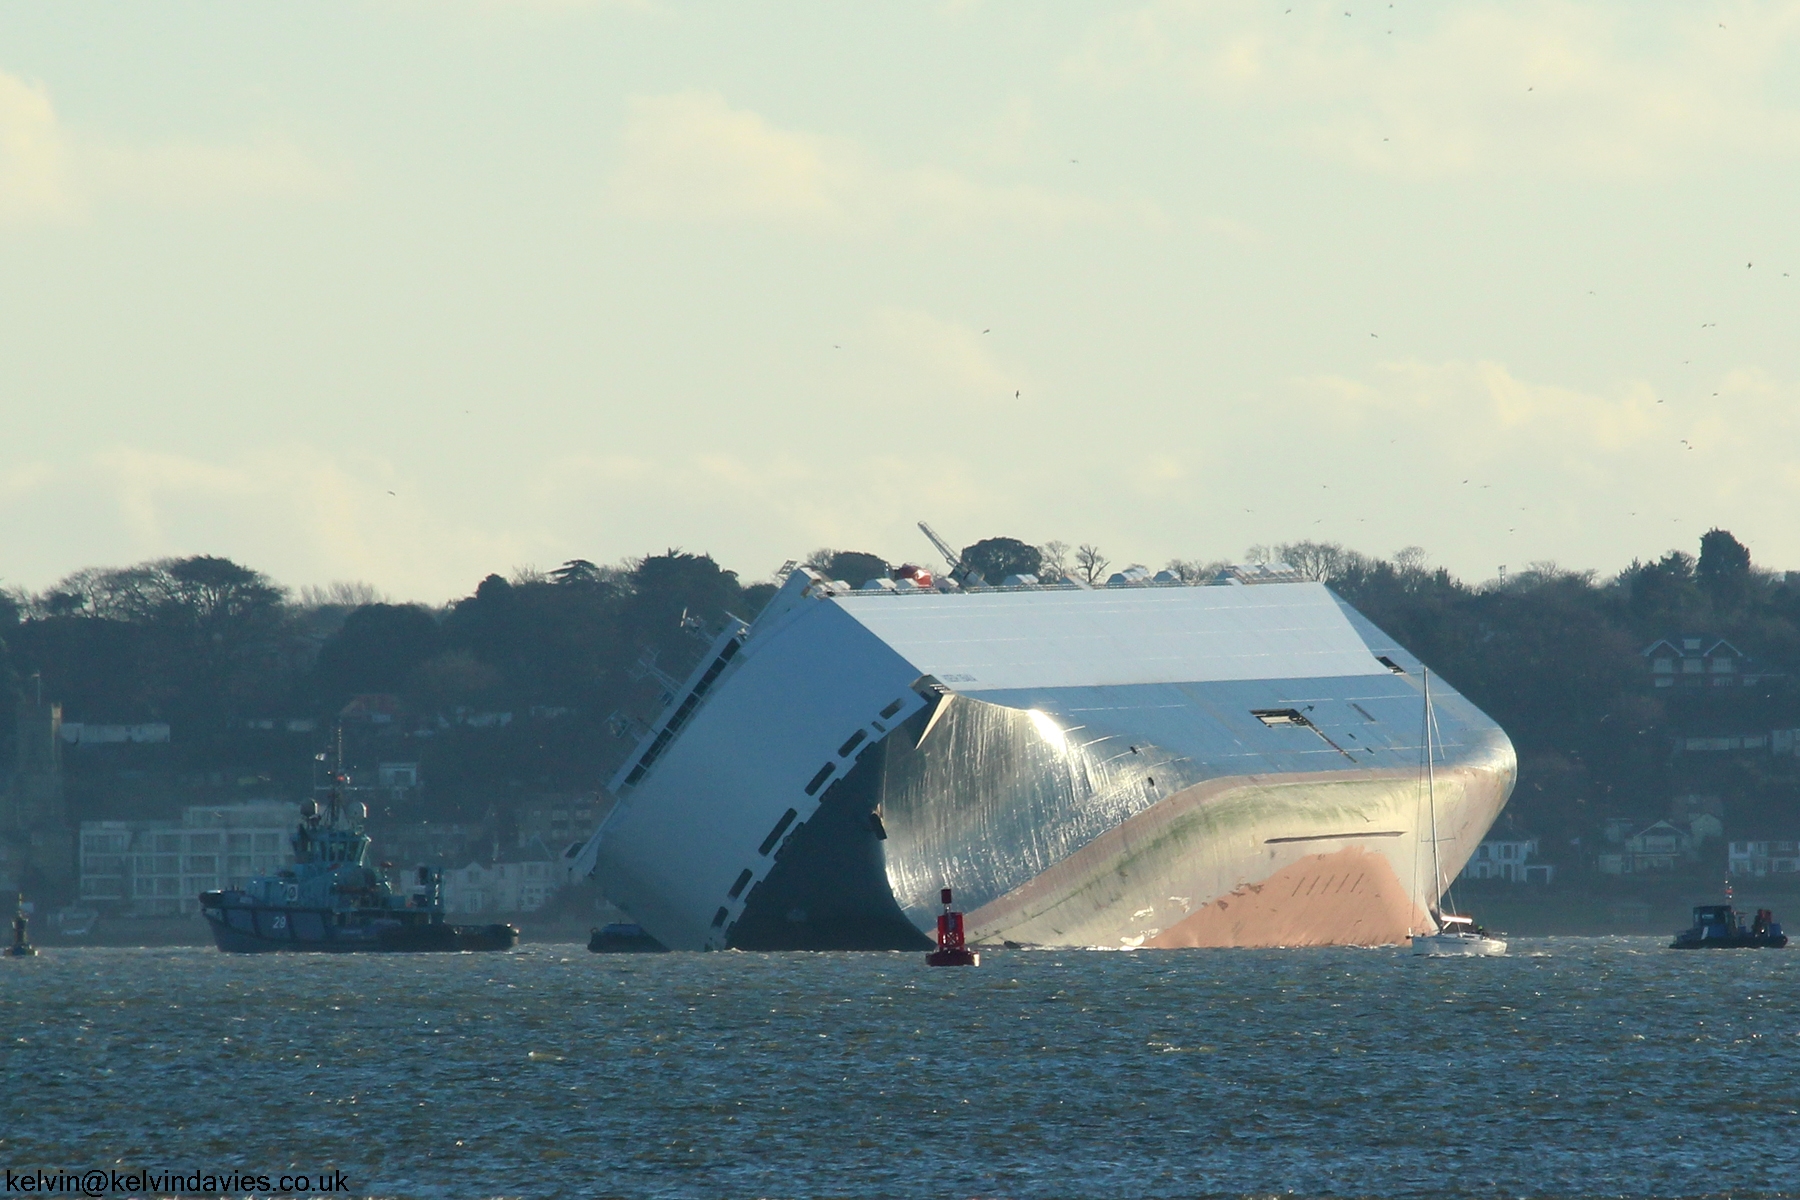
[294,511]
[692,156]
[932,357]
[192,174]
[33,161]
[1583,89]
[1578,474]
[1012,137]
[48,171]
[25,478]
[764,507]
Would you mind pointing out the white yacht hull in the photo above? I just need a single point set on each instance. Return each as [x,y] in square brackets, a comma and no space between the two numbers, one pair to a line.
[1458,945]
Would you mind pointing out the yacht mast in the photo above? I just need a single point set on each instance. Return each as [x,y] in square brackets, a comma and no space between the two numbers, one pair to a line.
[1437,874]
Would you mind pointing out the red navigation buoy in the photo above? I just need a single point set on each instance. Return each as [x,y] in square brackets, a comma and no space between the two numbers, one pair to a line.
[951,952]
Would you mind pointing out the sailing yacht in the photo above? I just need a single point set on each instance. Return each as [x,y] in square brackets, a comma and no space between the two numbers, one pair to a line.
[1456,935]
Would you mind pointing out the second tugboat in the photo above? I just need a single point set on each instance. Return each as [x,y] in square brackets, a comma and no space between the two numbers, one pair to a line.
[1722,927]
[331,899]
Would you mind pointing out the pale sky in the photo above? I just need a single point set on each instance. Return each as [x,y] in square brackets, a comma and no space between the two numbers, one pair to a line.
[408,293]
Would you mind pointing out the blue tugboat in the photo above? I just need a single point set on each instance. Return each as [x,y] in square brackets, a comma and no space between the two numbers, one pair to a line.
[1722,927]
[331,899]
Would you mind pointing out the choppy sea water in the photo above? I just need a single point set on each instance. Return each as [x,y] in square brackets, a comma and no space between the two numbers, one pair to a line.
[1575,1067]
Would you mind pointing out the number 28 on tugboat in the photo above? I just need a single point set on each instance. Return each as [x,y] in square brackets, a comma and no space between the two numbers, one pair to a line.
[331,899]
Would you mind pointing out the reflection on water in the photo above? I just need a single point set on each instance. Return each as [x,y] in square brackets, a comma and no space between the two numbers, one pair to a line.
[1575,1067]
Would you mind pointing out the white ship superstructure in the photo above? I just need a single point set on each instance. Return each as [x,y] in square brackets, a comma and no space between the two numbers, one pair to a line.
[1149,765]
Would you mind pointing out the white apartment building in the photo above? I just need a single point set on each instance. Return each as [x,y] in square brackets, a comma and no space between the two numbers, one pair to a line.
[1508,858]
[159,868]
[1765,856]
[521,880]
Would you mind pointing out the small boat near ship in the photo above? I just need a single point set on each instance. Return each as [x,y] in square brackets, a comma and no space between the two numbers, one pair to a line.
[74,921]
[623,937]
[333,900]
[1722,927]
[1454,935]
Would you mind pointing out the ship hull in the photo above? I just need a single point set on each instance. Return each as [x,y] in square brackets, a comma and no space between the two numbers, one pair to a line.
[1333,859]
[1132,771]
[257,929]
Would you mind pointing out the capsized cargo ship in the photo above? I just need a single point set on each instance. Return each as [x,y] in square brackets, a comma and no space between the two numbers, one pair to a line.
[1237,763]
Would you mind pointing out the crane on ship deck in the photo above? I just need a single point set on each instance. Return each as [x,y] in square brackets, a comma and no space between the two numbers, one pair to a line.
[958,571]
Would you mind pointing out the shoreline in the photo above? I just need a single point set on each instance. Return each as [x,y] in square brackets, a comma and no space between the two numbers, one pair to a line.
[160,932]
[1579,908]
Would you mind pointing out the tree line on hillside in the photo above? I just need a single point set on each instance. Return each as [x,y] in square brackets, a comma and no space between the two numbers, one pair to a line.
[213,647]
[1554,655]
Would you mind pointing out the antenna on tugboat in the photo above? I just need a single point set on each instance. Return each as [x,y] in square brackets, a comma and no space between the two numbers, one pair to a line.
[337,772]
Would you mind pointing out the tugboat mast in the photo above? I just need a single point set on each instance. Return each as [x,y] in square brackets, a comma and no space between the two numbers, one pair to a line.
[337,774]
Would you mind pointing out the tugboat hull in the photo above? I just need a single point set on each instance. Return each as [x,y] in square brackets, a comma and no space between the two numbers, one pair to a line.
[251,929]
[1746,941]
